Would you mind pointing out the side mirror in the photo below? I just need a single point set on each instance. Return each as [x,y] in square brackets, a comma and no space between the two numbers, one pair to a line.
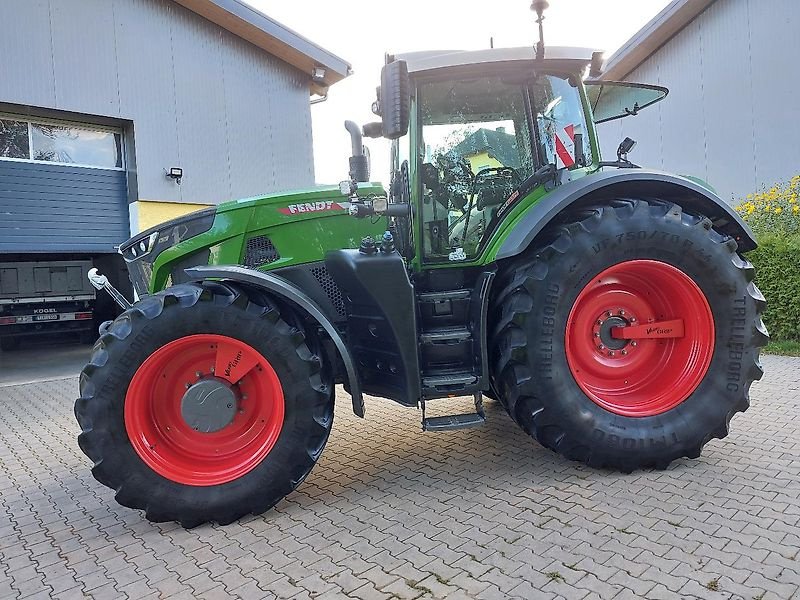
[395,99]
[617,99]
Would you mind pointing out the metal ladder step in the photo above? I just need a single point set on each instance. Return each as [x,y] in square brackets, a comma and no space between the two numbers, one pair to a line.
[445,295]
[451,422]
[445,335]
[449,379]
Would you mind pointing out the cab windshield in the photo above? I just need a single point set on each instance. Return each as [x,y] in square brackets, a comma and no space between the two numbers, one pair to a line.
[477,146]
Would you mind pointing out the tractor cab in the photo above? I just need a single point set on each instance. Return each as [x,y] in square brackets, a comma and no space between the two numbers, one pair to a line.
[482,125]
[478,135]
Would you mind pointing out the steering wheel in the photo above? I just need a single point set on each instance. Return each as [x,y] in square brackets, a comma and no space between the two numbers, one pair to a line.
[494,184]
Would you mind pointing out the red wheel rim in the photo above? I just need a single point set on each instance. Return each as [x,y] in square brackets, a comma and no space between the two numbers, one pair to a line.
[169,445]
[644,376]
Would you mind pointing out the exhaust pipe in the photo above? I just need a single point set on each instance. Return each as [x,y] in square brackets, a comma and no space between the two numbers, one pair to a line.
[359,165]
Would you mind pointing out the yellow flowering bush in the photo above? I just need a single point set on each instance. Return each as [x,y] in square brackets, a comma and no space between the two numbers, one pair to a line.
[775,210]
[774,215]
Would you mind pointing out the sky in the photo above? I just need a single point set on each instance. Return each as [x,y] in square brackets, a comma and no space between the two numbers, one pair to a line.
[361,31]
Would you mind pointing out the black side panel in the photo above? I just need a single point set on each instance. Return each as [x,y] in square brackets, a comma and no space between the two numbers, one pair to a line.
[58,208]
[627,183]
[315,280]
[381,321]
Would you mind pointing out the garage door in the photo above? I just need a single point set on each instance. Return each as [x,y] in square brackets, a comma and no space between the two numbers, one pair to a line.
[63,187]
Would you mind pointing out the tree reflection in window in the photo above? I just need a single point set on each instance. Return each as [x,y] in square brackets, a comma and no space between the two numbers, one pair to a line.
[14,139]
[73,145]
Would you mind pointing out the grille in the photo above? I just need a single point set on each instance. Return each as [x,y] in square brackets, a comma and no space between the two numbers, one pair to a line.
[259,251]
[332,290]
[140,273]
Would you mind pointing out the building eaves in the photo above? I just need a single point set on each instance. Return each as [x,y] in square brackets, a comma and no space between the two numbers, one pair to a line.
[660,30]
[264,32]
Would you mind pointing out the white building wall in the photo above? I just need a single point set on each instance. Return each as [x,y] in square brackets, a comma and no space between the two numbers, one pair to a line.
[731,117]
[235,118]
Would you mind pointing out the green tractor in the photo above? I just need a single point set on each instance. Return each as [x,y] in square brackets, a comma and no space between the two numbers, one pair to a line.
[607,307]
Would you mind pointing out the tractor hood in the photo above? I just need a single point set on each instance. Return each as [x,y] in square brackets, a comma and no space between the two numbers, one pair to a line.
[315,201]
[267,231]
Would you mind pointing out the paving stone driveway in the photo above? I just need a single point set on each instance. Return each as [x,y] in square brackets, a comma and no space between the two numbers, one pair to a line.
[394,512]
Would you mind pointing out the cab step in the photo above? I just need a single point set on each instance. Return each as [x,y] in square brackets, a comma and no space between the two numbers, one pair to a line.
[445,295]
[451,422]
[449,380]
[445,335]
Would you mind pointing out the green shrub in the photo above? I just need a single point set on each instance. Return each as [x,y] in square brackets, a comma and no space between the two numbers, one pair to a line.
[777,263]
[774,216]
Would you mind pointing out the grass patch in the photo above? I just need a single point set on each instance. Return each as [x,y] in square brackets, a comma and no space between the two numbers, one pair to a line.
[713,585]
[554,576]
[623,530]
[783,347]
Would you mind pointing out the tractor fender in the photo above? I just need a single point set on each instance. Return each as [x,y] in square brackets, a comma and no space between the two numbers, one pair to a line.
[686,193]
[287,290]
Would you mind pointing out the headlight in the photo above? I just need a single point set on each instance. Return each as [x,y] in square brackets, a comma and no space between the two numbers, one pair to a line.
[152,242]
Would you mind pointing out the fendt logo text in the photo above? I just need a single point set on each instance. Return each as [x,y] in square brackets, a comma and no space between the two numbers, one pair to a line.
[305,207]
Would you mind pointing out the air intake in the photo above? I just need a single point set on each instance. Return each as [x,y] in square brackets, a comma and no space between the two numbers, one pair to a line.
[259,251]
[332,290]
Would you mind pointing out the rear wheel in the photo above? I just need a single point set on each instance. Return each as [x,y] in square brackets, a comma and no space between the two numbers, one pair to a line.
[203,404]
[631,339]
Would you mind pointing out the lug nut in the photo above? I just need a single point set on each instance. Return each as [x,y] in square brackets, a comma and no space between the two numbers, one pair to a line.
[602,347]
[633,319]
[599,322]
[611,353]
[188,385]
[596,334]
[609,313]
[621,312]
[634,343]
[624,352]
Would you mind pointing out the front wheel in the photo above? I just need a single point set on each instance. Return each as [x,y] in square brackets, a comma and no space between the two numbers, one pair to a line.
[202,403]
[631,339]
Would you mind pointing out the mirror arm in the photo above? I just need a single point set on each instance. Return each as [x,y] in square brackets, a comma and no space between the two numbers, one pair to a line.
[619,164]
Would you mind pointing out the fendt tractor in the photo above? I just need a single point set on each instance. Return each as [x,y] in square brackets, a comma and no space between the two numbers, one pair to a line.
[607,307]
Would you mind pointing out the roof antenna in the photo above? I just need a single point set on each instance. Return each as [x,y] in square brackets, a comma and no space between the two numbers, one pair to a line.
[539,6]
[491,42]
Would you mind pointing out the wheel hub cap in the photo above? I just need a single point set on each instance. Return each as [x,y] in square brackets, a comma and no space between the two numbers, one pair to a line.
[209,405]
[604,333]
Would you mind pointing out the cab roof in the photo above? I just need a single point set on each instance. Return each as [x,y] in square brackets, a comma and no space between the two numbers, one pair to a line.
[432,60]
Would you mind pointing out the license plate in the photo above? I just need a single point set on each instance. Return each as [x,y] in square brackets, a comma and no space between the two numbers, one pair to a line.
[45,317]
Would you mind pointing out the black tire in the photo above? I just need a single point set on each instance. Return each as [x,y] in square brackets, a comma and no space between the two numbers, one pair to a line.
[530,367]
[174,313]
